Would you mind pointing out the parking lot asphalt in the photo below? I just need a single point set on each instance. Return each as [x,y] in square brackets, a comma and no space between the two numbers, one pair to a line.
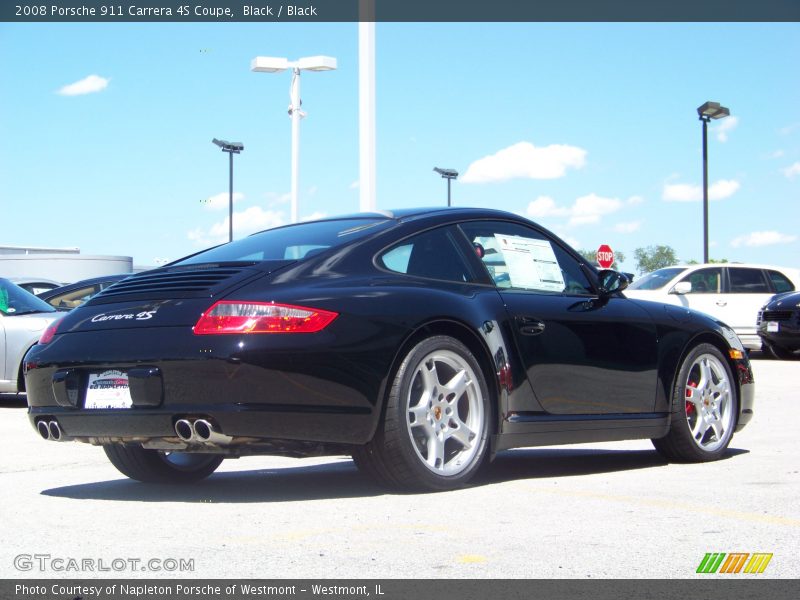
[613,510]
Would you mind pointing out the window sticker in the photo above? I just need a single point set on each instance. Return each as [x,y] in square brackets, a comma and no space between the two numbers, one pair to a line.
[531,263]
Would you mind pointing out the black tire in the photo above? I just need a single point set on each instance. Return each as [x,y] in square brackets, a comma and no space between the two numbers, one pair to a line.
[154,466]
[435,429]
[779,352]
[705,408]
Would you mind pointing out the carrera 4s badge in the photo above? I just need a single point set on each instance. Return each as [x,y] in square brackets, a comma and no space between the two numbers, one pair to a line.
[140,316]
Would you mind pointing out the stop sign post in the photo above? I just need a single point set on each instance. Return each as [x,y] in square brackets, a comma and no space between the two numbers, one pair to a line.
[605,256]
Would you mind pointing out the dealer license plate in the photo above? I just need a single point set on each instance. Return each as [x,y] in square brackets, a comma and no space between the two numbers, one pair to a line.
[108,389]
[773,326]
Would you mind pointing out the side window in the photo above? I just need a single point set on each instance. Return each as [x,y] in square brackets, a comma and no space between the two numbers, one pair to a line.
[780,282]
[747,281]
[518,257]
[705,281]
[432,254]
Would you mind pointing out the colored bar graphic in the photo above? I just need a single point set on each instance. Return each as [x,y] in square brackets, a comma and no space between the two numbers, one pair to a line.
[735,562]
[758,562]
[711,562]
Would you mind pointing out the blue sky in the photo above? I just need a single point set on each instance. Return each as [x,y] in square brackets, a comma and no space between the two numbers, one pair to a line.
[589,129]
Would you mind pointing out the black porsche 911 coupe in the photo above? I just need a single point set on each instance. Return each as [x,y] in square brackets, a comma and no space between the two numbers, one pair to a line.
[421,342]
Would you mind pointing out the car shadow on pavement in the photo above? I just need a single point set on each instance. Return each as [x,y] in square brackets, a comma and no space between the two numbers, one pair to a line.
[341,479]
[556,463]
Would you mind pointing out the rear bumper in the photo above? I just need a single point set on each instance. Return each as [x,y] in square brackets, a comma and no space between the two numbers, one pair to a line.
[299,390]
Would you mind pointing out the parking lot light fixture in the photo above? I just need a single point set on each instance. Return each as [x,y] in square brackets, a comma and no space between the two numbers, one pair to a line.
[231,148]
[707,112]
[448,174]
[271,64]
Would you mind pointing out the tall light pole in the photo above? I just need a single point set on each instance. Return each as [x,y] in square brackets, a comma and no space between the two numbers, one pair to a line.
[448,174]
[231,148]
[270,64]
[708,111]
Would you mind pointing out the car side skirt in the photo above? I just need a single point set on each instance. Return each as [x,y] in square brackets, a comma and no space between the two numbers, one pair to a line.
[544,430]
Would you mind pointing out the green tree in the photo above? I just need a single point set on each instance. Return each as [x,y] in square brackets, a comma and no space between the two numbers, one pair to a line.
[654,257]
[590,256]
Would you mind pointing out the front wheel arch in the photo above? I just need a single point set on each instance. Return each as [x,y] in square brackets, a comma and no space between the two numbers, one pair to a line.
[720,344]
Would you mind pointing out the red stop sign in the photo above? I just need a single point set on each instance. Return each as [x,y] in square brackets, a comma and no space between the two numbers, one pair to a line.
[605,256]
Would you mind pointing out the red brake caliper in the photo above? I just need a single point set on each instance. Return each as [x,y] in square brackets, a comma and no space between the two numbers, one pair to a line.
[689,394]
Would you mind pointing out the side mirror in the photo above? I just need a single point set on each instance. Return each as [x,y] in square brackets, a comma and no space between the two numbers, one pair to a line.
[611,282]
[682,287]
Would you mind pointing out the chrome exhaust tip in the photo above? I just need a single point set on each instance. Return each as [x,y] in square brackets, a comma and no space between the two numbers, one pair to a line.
[205,432]
[184,430]
[43,430]
[55,431]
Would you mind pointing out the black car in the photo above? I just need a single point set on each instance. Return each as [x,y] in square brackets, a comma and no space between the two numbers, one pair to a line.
[72,295]
[779,325]
[421,342]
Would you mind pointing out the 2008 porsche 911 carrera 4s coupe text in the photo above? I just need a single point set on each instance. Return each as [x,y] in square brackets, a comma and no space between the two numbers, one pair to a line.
[420,342]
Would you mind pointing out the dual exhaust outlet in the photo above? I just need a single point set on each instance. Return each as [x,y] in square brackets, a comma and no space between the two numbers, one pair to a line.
[200,431]
[51,430]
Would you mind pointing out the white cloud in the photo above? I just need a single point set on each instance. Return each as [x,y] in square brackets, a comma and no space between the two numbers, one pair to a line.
[220,201]
[685,192]
[725,127]
[245,222]
[791,128]
[87,85]
[763,238]
[792,171]
[776,154]
[355,185]
[628,227]
[314,216]
[544,206]
[585,211]
[525,161]
[634,200]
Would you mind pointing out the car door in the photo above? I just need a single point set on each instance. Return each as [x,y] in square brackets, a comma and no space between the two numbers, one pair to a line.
[2,349]
[748,291]
[707,293]
[582,355]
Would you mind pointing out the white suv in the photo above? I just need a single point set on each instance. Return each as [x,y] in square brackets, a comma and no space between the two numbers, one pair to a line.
[730,292]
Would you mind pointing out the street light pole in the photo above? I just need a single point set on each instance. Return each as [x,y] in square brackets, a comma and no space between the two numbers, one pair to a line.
[231,148]
[296,114]
[706,112]
[448,174]
[269,64]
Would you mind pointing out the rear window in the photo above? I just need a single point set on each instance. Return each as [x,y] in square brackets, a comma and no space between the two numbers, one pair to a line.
[16,301]
[747,281]
[292,242]
[657,279]
[780,282]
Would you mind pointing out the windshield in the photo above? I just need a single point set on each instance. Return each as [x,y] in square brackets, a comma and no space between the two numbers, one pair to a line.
[657,279]
[291,242]
[16,301]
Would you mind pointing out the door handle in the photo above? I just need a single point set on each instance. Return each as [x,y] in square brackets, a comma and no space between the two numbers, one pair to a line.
[530,325]
[722,303]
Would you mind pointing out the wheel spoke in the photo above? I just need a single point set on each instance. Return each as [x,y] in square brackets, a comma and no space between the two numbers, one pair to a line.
[462,434]
[420,412]
[430,378]
[699,429]
[716,426]
[435,456]
[457,385]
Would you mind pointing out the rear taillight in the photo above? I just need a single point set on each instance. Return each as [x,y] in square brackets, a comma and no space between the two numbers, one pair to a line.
[230,316]
[49,333]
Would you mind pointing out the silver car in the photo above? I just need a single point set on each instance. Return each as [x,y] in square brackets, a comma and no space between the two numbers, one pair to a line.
[23,318]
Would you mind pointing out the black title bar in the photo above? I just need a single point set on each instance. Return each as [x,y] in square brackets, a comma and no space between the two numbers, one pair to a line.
[229,11]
